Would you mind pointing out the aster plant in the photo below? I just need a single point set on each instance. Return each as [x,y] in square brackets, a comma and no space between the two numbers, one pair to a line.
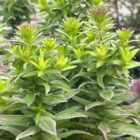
[71,87]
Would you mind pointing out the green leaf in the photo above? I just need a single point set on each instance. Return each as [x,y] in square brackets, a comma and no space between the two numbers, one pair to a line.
[12,130]
[14,120]
[48,125]
[37,118]
[29,73]
[126,129]
[106,94]
[43,4]
[3,86]
[133,64]
[120,82]
[30,97]
[29,132]
[69,68]
[44,136]
[80,100]
[61,85]
[70,113]
[103,127]
[47,88]
[54,99]
[99,64]
[70,109]
[100,74]
[94,104]
[72,132]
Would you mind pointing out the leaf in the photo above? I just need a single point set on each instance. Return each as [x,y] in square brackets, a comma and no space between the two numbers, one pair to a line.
[115,62]
[12,130]
[30,97]
[70,109]
[94,104]
[103,127]
[72,132]
[28,132]
[100,74]
[133,64]
[70,113]
[44,136]
[14,120]
[69,68]
[29,74]
[47,88]
[43,4]
[54,99]
[48,125]
[61,85]
[69,95]
[37,118]
[120,82]
[126,129]
[82,74]
[81,100]
[99,64]
[106,94]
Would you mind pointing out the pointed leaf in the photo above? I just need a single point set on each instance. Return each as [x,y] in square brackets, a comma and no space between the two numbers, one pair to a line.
[94,104]
[70,115]
[48,125]
[107,94]
[72,132]
[100,74]
[37,118]
[12,130]
[103,127]
[61,85]
[29,99]
[15,120]
[28,132]
[54,99]
[47,88]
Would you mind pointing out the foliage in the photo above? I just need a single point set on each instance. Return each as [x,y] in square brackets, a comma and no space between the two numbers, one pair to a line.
[57,10]
[15,12]
[70,87]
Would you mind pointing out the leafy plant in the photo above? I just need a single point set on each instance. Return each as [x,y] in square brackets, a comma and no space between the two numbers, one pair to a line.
[57,10]
[15,12]
[72,86]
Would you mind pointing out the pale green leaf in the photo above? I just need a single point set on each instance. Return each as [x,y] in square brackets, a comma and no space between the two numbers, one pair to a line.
[100,75]
[12,130]
[37,118]
[94,104]
[14,120]
[48,125]
[47,88]
[28,132]
[106,94]
[30,97]
[73,132]
[61,85]
[103,127]
[54,99]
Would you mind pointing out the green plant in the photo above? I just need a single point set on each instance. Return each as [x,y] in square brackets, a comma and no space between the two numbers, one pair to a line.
[71,87]
[57,10]
[15,12]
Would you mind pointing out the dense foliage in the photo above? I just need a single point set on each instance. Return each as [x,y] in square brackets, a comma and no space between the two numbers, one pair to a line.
[15,12]
[72,86]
